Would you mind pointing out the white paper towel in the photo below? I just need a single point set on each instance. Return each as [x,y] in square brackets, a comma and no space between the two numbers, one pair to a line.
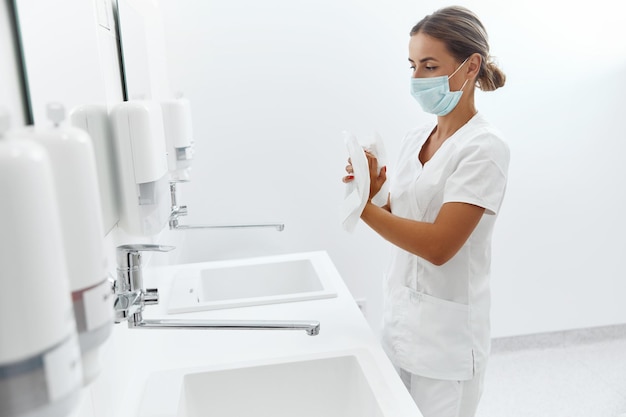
[357,191]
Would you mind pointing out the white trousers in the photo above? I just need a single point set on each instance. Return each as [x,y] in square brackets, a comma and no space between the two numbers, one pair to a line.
[441,398]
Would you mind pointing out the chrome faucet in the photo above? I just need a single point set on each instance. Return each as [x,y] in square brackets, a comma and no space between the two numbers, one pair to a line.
[178,211]
[131,299]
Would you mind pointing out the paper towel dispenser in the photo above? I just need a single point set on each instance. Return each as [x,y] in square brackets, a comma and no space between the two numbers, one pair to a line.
[142,167]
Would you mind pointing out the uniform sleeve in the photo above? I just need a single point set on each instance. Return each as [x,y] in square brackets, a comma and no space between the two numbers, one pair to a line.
[480,175]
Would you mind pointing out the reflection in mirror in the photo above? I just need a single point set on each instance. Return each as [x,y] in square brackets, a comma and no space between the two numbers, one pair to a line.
[142,40]
[70,53]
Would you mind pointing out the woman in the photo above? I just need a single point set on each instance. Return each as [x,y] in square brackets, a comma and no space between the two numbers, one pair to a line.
[449,184]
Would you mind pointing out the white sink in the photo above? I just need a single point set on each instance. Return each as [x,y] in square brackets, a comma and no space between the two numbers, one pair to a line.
[346,384]
[249,282]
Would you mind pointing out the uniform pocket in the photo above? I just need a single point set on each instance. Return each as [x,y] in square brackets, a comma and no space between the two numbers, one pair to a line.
[438,339]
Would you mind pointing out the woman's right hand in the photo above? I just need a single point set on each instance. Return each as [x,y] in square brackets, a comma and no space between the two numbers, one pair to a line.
[378,175]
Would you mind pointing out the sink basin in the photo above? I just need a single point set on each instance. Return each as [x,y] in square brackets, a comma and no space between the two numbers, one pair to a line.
[323,387]
[249,283]
[346,384]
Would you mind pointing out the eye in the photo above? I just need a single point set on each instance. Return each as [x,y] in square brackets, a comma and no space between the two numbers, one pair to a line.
[431,68]
[412,67]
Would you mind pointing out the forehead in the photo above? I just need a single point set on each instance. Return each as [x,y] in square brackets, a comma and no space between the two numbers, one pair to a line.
[423,46]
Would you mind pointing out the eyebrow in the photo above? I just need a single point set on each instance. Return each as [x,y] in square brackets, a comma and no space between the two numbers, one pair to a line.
[428,58]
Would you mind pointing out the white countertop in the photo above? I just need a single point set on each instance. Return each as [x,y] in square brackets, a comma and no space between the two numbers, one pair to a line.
[132,355]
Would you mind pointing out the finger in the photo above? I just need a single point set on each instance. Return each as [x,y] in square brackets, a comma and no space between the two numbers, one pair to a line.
[349,169]
[372,162]
[348,178]
[382,177]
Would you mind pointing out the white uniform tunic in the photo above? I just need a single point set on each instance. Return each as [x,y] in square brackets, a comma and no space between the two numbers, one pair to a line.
[436,318]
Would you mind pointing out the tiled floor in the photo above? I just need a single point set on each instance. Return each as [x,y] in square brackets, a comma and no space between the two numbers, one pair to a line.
[566,374]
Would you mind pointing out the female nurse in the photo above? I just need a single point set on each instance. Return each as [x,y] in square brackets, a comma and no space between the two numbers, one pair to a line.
[449,183]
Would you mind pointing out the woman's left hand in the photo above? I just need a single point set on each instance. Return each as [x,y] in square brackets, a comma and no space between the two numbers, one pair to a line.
[377,176]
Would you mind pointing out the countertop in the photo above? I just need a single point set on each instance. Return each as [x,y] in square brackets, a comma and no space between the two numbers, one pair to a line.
[131,356]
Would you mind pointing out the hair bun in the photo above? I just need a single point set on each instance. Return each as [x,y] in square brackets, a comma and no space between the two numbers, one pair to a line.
[492,77]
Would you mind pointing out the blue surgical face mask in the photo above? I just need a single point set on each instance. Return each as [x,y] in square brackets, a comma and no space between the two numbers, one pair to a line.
[434,94]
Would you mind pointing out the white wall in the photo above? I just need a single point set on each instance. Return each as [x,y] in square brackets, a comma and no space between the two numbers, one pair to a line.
[273,84]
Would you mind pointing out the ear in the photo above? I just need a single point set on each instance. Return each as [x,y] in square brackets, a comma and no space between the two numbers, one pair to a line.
[473,65]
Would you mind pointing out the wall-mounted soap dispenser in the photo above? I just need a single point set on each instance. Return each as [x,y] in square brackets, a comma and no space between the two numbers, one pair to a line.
[142,164]
[94,119]
[72,159]
[40,366]
[178,137]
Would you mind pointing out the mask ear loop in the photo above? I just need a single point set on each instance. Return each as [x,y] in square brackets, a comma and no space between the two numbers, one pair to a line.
[456,70]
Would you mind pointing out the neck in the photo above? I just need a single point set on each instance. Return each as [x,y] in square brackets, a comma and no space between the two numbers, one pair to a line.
[450,123]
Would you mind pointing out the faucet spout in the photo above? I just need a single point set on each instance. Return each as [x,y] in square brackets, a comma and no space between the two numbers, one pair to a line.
[175,226]
[312,328]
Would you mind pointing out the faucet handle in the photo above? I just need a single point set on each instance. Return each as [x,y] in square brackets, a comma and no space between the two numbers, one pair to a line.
[136,247]
[129,256]
[129,276]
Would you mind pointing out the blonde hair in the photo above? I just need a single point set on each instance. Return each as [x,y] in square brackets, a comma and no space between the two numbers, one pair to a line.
[463,34]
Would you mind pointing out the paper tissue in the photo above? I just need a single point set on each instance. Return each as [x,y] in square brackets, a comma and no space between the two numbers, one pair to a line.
[357,191]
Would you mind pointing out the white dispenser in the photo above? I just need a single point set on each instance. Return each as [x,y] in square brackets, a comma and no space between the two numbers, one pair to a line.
[178,137]
[40,367]
[73,167]
[142,167]
[94,119]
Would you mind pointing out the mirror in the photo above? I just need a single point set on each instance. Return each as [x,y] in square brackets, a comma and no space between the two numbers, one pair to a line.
[71,56]
[143,50]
